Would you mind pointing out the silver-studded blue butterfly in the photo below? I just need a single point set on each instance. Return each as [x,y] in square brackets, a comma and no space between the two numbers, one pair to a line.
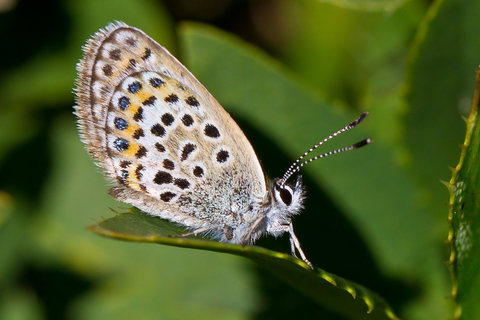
[170,148]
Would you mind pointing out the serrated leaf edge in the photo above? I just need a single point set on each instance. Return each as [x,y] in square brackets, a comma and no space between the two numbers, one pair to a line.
[452,187]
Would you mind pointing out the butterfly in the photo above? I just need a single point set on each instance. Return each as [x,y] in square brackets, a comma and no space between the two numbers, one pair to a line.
[171,150]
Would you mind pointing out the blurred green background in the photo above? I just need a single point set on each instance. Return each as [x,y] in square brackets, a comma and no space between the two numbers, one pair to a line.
[290,73]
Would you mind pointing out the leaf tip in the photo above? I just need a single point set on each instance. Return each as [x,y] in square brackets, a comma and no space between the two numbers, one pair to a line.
[370,305]
[450,297]
[330,279]
[446,183]
[91,228]
[114,211]
[391,315]
[352,292]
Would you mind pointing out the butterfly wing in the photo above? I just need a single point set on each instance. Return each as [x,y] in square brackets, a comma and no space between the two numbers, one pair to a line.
[160,136]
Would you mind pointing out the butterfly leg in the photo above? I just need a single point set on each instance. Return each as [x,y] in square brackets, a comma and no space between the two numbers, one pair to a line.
[292,247]
[247,239]
[195,232]
[296,245]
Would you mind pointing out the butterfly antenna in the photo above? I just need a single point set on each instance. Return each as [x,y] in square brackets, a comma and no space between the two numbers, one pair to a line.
[296,166]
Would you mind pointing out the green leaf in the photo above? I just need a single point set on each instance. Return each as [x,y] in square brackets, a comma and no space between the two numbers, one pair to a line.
[464,219]
[352,300]
[441,70]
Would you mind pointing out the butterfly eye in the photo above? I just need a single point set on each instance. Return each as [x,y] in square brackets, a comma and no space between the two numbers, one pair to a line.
[284,192]
[286,196]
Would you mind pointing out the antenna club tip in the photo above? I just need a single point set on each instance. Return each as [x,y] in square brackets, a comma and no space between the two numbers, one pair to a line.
[362,143]
[357,121]
[362,117]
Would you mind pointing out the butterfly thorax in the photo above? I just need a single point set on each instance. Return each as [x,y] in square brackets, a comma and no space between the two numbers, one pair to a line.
[270,213]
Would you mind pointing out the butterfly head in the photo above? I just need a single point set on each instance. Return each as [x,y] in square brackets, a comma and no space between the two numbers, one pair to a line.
[289,197]
[286,201]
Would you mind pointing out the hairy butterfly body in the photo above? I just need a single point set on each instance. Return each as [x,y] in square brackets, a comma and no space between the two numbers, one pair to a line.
[170,148]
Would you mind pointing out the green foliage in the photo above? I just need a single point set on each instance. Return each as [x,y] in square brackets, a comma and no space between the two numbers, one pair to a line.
[355,302]
[375,216]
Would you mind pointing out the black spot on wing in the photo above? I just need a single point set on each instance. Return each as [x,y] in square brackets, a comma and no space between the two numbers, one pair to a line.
[146,54]
[138,172]
[121,144]
[125,164]
[149,101]
[131,41]
[168,164]
[158,130]
[182,183]
[120,123]
[222,156]
[211,131]
[163,177]
[134,87]
[160,147]
[141,152]
[172,98]
[167,119]
[167,196]
[187,120]
[137,134]
[124,103]
[107,70]
[156,82]
[198,172]
[192,101]
[187,150]
[115,54]
[138,116]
